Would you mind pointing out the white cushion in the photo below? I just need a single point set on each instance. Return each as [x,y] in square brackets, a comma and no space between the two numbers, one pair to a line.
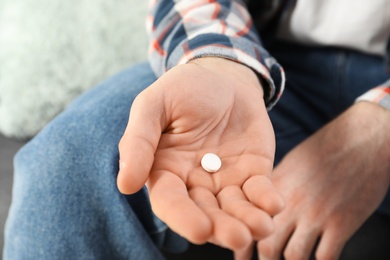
[53,50]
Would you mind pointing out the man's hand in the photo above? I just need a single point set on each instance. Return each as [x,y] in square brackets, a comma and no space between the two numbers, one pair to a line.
[209,105]
[332,183]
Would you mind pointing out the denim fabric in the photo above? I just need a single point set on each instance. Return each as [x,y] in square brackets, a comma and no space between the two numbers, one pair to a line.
[65,201]
[321,84]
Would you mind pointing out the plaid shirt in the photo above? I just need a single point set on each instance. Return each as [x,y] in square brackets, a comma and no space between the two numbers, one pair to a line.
[182,30]
[188,29]
[379,95]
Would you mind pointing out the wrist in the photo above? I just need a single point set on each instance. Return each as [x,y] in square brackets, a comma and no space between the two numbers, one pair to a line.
[369,125]
[380,117]
[362,128]
[231,68]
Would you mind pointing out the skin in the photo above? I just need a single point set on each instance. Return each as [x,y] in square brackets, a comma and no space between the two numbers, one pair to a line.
[208,105]
[332,183]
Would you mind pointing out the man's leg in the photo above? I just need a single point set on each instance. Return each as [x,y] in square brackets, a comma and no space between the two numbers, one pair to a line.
[66,204]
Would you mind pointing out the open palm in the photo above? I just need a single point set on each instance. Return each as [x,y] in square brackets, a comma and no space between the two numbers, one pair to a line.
[209,105]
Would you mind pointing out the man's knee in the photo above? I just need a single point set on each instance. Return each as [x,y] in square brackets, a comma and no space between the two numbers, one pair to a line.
[65,156]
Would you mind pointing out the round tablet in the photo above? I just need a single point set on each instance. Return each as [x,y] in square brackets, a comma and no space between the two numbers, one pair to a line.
[211,162]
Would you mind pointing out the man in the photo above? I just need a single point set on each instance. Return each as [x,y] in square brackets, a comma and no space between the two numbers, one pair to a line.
[215,83]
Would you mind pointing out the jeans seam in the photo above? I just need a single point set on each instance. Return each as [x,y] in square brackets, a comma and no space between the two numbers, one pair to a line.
[340,80]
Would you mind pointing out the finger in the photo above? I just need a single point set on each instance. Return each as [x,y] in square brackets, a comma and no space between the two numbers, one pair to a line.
[244,254]
[171,203]
[261,192]
[233,201]
[139,142]
[331,244]
[271,248]
[302,242]
[228,232]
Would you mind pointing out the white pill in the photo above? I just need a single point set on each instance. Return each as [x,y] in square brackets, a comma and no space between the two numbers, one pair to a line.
[211,162]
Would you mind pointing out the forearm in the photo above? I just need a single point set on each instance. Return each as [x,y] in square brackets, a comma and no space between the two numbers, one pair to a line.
[377,123]
[361,132]
[376,103]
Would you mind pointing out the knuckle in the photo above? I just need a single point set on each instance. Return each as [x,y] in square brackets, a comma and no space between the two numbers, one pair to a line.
[199,236]
[322,255]
[268,251]
[294,254]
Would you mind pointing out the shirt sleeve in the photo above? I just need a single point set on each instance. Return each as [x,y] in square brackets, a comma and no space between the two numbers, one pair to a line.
[379,95]
[183,30]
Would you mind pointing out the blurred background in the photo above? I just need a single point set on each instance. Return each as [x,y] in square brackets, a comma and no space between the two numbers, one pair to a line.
[52,51]
[7,150]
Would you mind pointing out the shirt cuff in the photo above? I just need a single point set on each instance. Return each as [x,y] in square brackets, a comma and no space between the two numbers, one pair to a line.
[379,95]
[237,49]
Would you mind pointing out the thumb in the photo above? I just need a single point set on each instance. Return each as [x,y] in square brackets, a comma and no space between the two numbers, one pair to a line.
[140,140]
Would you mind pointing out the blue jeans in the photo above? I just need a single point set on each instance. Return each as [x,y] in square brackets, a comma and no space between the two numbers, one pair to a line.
[65,201]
